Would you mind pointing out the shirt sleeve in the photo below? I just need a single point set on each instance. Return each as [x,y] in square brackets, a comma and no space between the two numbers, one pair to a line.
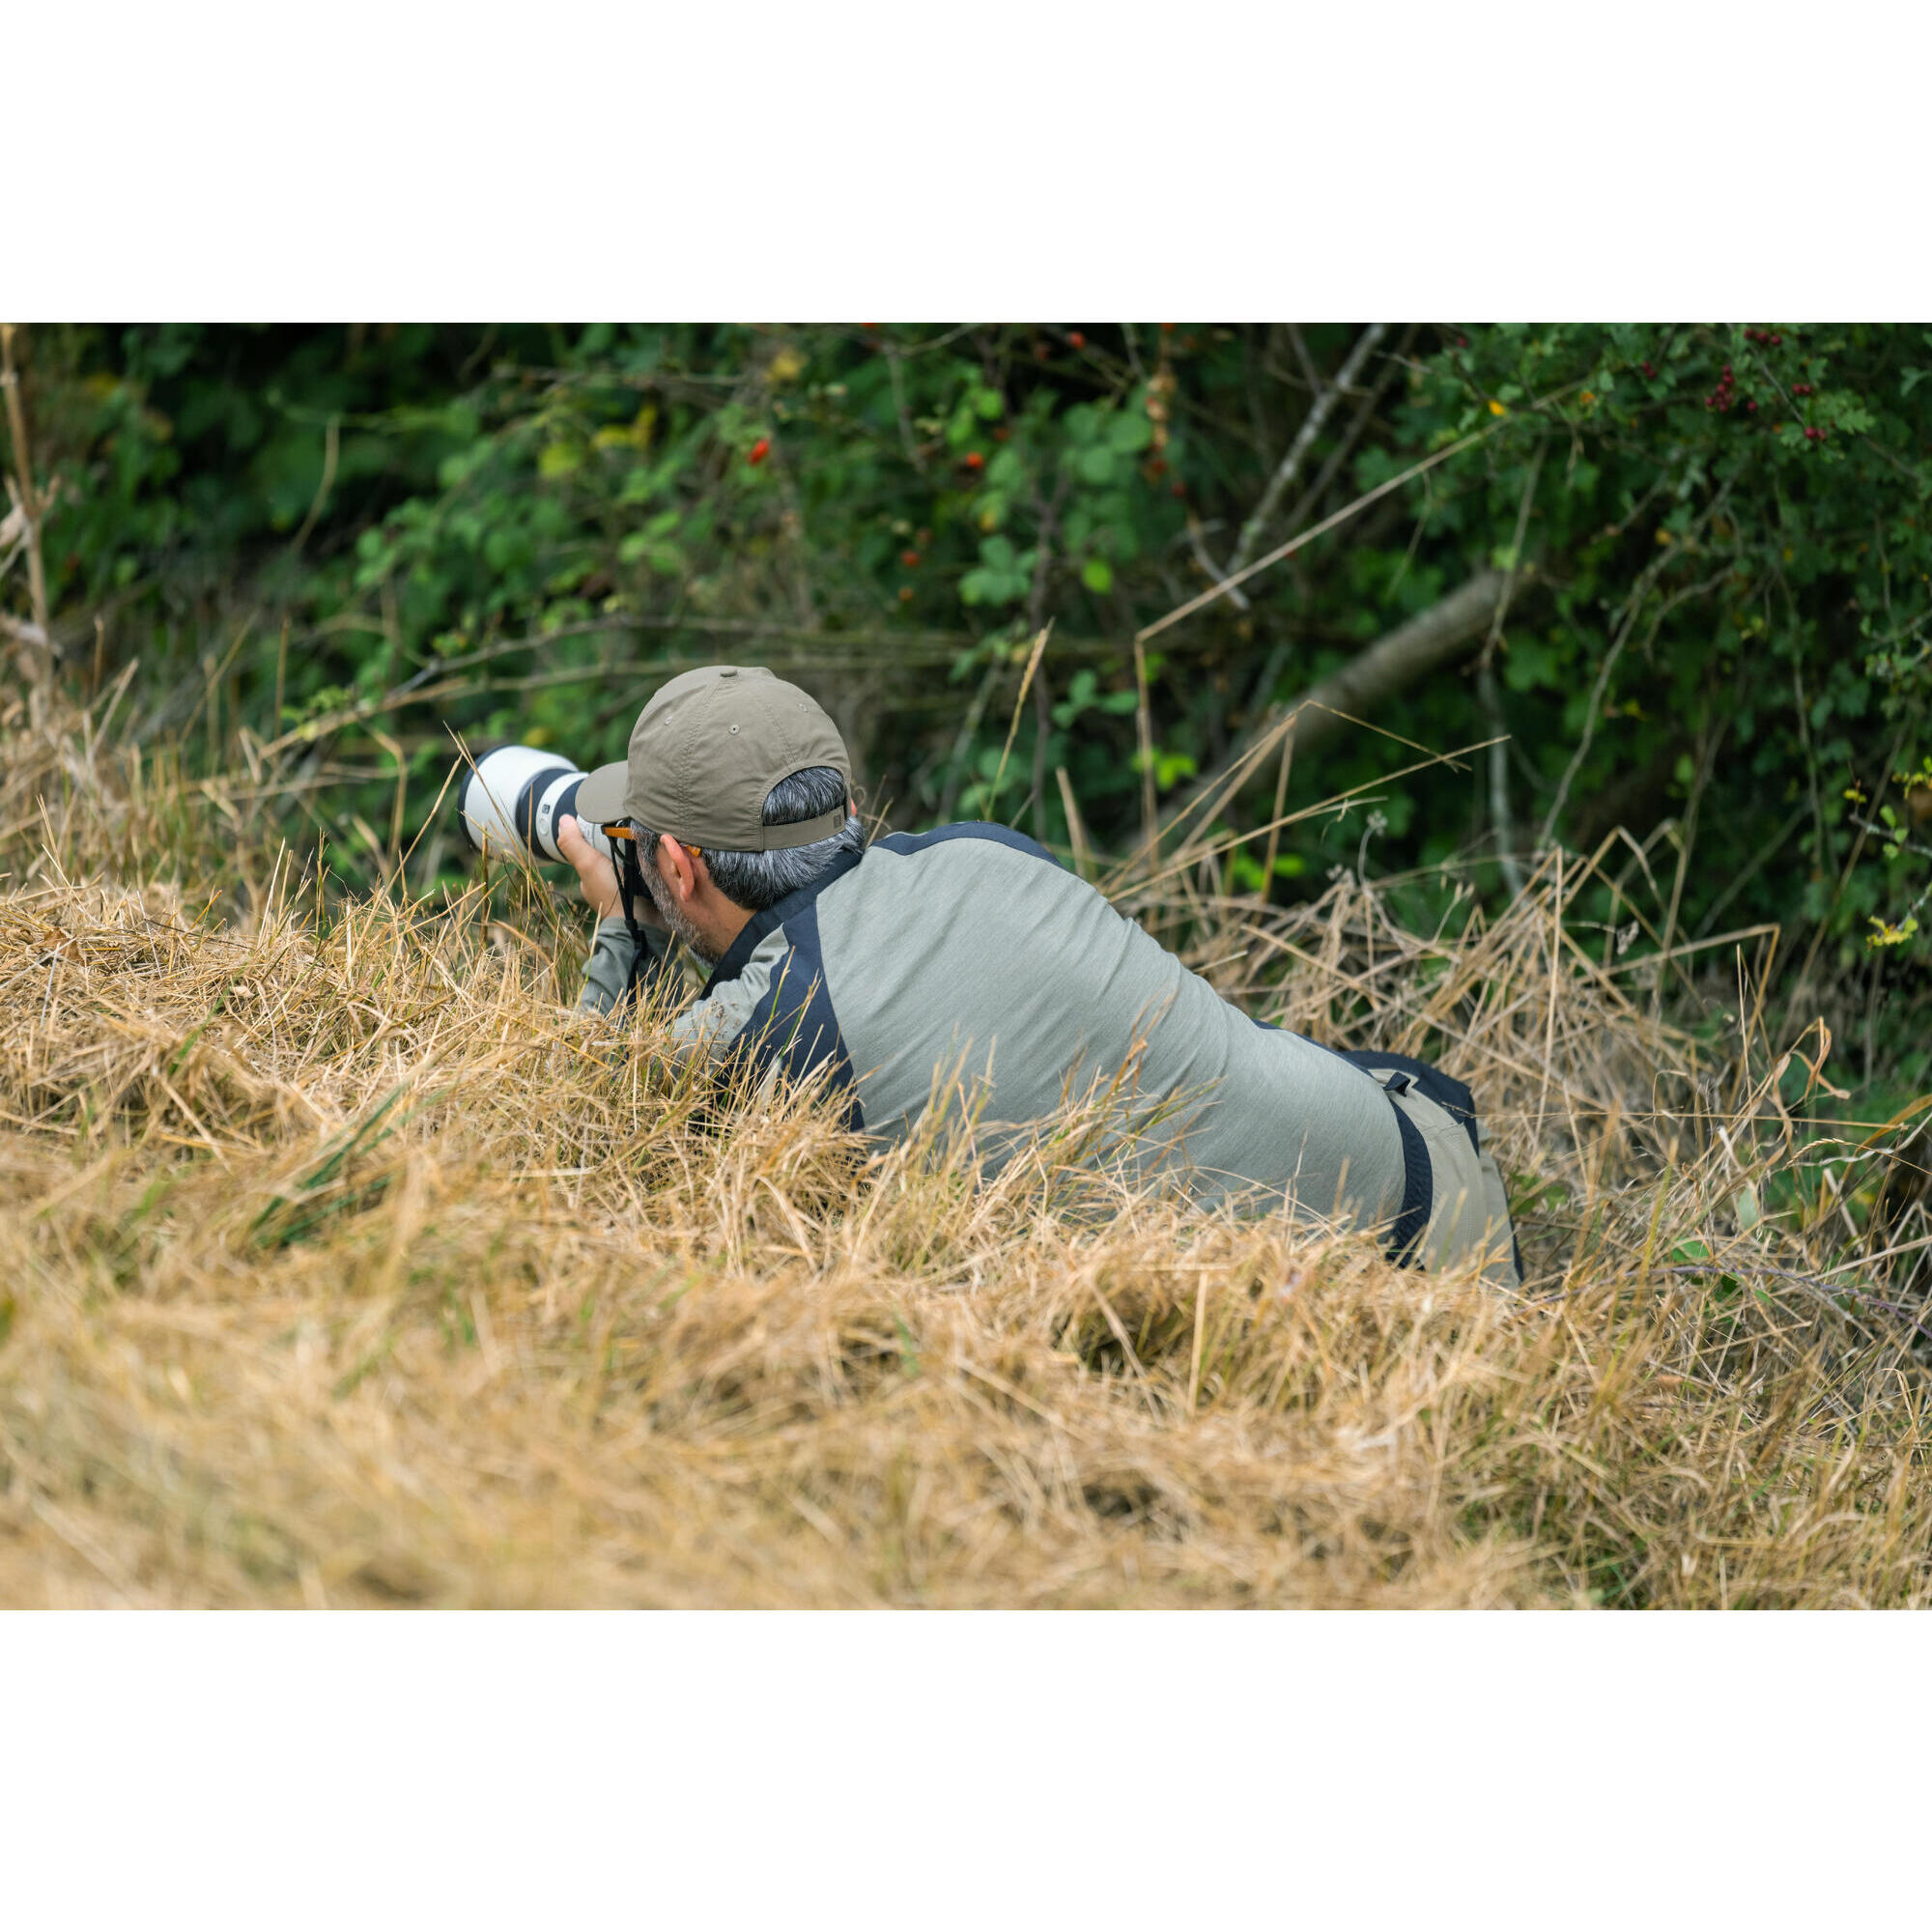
[713,1028]
[607,970]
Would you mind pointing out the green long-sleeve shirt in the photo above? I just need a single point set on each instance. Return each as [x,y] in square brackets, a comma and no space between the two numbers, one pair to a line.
[969,955]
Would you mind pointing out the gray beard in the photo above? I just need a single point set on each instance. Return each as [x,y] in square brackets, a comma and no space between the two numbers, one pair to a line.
[676,917]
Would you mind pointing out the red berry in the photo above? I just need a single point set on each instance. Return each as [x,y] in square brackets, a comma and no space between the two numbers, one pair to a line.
[1727,372]
[1776,341]
[1039,351]
[1157,465]
[760,450]
[974,460]
[868,327]
[1167,328]
[1461,342]
[910,558]
[1078,340]
[1000,434]
[1179,489]
[1751,406]
[1647,370]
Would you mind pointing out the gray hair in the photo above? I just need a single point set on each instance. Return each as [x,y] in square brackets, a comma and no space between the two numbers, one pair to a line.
[759,880]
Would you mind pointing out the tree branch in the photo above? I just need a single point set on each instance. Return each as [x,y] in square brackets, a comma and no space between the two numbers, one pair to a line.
[1490,696]
[35,640]
[1338,455]
[1435,637]
[1312,426]
[1149,632]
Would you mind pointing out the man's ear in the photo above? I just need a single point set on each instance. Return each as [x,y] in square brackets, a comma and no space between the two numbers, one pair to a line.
[676,867]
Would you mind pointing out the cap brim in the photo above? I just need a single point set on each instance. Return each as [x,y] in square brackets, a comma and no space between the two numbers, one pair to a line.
[600,798]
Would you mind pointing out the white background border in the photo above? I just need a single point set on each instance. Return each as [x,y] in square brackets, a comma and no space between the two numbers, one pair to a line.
[1476,161]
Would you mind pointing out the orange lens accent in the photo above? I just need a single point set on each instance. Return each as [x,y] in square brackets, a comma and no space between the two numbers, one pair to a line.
[618,832]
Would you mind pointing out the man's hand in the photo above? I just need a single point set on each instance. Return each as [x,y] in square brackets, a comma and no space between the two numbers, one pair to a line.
[596,877]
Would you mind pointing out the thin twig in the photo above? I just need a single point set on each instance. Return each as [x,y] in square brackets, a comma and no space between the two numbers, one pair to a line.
[1312,426]
[1152,631]
[1019,702]
[1491,699]
[38,652]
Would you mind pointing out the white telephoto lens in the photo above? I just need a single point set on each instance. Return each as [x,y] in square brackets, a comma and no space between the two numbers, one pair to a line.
[518,795]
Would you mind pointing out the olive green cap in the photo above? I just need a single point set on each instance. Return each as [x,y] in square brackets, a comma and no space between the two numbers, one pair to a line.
[705,752]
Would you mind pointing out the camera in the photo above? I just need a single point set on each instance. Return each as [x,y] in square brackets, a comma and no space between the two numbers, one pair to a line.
[516,795]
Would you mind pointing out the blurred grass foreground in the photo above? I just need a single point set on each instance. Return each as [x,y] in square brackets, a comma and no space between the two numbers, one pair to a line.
[341,1263]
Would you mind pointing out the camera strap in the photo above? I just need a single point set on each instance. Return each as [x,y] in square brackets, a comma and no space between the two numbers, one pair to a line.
[629,886]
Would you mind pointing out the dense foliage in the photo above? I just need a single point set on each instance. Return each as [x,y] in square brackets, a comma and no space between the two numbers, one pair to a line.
[329,547]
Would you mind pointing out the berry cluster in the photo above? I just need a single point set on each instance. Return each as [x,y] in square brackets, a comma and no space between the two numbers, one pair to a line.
[1724,397]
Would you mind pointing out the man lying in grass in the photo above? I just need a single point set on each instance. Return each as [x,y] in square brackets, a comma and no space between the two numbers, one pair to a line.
[887,968]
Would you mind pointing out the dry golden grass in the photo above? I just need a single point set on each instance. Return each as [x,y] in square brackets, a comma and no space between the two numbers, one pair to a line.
[346,1264]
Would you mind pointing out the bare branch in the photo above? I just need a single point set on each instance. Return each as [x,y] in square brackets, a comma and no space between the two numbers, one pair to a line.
[35,651]
[1312,426]
[1410,652]
[1261,563]
[1491,697]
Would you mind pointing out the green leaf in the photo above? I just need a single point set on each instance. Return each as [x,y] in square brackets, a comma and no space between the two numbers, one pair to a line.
[1096,464]
[1097,575]
[1532,665]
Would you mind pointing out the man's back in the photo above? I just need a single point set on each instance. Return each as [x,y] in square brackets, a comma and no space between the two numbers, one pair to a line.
[970,952]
